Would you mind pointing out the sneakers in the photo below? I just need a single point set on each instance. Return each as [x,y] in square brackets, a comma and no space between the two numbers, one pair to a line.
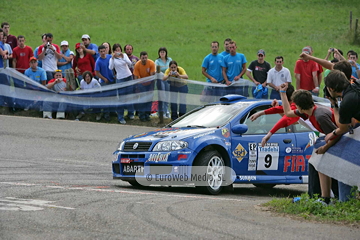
[122,121]
[80,115]
[60,115]
[296,199]
[131,117]
[98,117]
[47,115]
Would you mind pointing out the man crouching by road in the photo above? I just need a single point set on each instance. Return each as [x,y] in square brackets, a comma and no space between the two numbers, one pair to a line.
[321,117]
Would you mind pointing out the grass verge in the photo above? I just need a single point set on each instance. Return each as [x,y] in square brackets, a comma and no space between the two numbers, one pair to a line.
[347,213]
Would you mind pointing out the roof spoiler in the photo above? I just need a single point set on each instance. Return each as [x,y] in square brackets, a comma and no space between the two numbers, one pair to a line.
[232,97]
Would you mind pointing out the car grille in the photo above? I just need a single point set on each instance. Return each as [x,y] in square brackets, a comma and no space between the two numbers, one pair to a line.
[142,146]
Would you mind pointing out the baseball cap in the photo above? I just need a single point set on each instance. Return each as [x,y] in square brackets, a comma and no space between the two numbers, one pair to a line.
[64,43]
[261,52]
[77,45]
[306,50]
[32,58]
[85,36]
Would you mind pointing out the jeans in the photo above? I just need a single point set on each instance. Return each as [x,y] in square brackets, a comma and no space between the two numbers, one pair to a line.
[49,76]
[124,91]
[144,105]
[175,91]
[164,87]
[275,94]
[345,193]
[314,182]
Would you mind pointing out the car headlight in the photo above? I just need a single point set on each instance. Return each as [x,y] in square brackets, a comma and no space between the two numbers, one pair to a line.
[121,146]
[167,146]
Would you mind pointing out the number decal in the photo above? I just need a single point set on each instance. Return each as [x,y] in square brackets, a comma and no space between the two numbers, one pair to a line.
[268,159]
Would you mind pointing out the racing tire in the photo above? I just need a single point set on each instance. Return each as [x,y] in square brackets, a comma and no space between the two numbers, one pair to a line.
[134,183]
[215,166]
[263,185]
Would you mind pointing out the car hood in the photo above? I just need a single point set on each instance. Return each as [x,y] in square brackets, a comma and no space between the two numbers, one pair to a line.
[171,134]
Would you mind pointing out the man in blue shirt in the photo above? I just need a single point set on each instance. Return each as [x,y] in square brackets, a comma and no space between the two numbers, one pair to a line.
[89,47]
[226,46]
[235,65]
[36,73]
[3,52]
[353,57]
[105,75]
[212,65]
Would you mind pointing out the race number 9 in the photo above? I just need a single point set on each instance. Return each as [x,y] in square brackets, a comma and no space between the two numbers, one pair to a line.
[268,160]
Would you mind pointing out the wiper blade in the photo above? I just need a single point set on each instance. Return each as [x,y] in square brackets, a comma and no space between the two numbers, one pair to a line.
[197,126]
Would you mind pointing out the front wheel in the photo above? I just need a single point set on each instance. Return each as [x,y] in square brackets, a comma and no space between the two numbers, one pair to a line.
[134,183]
[214,171]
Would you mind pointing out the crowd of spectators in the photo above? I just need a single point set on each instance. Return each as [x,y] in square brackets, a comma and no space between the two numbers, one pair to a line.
[110,64]
[91,66]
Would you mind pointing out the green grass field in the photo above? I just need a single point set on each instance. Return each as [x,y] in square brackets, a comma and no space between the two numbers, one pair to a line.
[186,28]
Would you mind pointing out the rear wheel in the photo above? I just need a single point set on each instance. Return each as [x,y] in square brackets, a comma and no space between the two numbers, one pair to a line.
[214,171]
[262,185]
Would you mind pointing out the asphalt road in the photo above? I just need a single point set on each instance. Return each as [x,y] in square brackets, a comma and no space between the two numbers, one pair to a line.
[56,183]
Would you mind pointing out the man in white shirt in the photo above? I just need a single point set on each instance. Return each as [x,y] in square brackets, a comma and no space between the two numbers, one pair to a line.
[277,76]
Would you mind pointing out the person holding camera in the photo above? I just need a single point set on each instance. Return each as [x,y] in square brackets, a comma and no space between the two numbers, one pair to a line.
[178,89]
[121,63]
[352,58]
[57,84]
[49,54]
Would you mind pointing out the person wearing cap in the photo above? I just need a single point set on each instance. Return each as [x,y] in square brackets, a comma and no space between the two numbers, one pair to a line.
[49,53]
[67,56]
[306,74]
[65,63]
[278,75]
[89,47]
[57,84]
[258,70]
[36,73]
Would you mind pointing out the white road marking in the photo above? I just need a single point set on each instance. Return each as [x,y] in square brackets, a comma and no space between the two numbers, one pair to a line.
[122,191]
[20,204]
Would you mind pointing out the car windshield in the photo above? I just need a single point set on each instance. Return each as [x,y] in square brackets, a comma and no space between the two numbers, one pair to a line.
[209,116]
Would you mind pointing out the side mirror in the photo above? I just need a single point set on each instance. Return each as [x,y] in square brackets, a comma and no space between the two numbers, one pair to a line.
[239,129]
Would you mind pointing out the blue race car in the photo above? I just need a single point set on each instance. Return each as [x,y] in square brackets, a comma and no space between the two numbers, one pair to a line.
[218,136]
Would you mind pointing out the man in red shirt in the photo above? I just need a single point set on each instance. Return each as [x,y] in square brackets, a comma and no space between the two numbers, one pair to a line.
[22,55]
[321,117]
[306,74]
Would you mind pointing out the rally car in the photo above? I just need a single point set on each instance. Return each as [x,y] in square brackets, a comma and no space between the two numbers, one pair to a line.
[218,137]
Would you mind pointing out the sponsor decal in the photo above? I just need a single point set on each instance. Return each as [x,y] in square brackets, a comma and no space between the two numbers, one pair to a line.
[182,156]
[288,150]
[125,160]
[247,178]
[239,152]
[295,150]
[139,135]
[167,133]
[227,143]
[252,157]
[225,132]
[312,139]
[158,157]
[296,163]
[268,156]
[204,134]
[133,169]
